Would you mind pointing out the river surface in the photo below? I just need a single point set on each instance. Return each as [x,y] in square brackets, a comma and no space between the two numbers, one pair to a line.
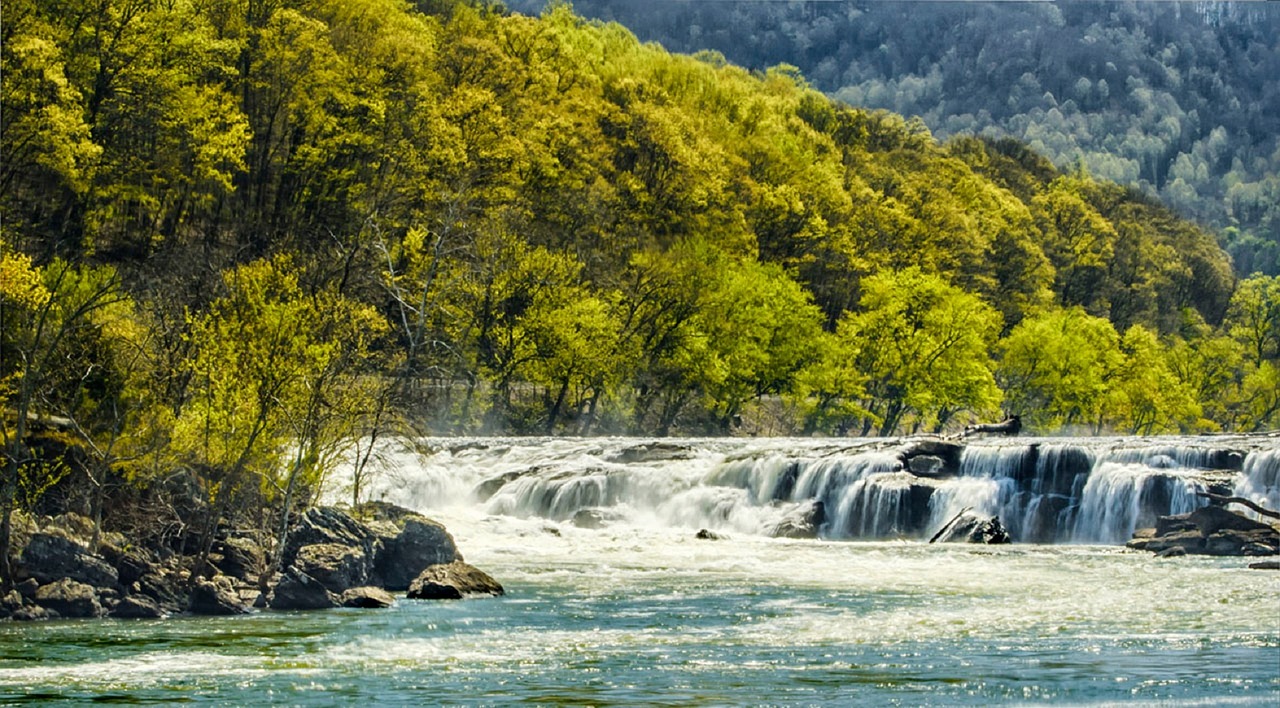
[640,612]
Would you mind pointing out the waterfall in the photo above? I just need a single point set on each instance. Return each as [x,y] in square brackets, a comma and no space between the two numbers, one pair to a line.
[1049,490]
[1260,480]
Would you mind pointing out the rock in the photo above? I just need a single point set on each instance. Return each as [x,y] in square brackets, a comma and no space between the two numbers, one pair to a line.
[215,597]
[299,591]
[77,526]
[420,544]
[329,525]
[451,581]
[972,528]
[595,518]
[926,465]
[367,598]
[489,487]
[240,558]
[163,587]
[69,598]
[1265,565]
[137,607]
[130,564]
[708,535]
[1172,552]
[802,521]
[1210,530]
[336,567]
[657,451]
[11,602]
[27,588]
[49,557]
[947,452]
[32,613]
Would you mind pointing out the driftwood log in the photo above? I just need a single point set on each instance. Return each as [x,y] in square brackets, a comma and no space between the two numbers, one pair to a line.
[1218,498]
[1009,426]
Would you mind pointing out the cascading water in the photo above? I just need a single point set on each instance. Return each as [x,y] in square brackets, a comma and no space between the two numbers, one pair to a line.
[1095,490]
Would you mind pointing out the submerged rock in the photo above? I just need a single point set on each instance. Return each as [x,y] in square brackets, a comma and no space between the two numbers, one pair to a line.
[708,535]
[452,581]
[595,518]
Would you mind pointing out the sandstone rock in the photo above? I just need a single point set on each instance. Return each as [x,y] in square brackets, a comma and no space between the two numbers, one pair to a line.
[69,599]
[27,588]
[334,566]
[137,607]
[49,557]
[708,535]
[1210,530]
[299,591]
[1172,552]
[329,525]
[32,613]
[215,597]
[367,598]
[130,564]
[489,487]
[1265,565]
[452,581]
[163,587]
[420,544]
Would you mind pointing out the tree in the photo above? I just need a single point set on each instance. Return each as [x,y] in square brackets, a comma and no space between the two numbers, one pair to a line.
[924,346]
[46,335]
[1056,369]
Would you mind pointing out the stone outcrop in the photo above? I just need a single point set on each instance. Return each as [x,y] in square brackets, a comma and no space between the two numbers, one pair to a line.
[49,557]
[215,597]
[69,598]
[299,591]
[453,581]
[1210,531]
[137,607]
[420,543]
[336,567]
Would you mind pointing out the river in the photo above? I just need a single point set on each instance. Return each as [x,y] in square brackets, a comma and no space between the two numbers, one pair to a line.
[638,611]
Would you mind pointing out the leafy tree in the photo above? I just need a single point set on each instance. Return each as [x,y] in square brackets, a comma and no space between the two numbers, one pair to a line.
[924,346]
[1056,369]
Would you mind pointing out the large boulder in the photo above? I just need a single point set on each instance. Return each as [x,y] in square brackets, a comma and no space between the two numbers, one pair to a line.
[453,581]
[969,527]
[215,597]
[299,591]
[239,558]
[69,598]
[50,556]
[420,543]
[334,566]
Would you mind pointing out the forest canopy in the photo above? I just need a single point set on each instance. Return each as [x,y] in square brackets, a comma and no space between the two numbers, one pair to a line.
[240,237]
[1178,99]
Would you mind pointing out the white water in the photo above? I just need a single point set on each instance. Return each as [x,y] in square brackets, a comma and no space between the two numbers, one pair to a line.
[1063,491]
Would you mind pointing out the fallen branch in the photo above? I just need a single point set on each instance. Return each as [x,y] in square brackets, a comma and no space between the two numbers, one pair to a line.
[1241,501]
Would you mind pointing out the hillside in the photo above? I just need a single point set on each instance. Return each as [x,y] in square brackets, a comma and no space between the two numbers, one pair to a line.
[1177,99]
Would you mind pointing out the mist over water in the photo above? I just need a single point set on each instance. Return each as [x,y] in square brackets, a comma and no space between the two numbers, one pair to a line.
[628,607]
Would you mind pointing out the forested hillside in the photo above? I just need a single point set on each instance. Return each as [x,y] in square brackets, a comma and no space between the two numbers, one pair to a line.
[239,237]
[1177,98]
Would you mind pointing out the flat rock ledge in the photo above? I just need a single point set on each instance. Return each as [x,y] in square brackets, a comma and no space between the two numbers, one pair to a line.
[332,560]
[1208,531]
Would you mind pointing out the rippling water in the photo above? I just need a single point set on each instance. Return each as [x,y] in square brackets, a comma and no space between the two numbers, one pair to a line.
[653,617]
[642,613]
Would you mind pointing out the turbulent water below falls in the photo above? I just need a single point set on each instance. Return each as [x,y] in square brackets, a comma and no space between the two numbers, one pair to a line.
[637,611]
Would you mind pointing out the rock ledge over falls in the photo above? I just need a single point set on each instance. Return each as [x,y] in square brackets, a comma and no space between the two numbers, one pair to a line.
[1209,531]
[332,560]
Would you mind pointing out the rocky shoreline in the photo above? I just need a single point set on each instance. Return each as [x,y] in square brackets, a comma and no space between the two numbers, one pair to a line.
[1210,531]
[333,559]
